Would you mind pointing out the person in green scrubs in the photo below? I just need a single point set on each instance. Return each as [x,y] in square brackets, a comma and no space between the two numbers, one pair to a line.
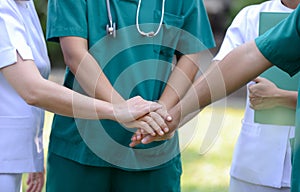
[279,46]
[137,59]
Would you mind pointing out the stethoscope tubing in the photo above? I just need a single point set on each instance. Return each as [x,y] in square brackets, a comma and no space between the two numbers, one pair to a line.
[111,27]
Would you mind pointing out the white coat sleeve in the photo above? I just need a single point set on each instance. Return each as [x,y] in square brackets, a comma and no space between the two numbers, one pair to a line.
[13,34]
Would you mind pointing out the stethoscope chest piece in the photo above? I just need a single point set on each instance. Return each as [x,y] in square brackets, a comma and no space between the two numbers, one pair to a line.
[111,29]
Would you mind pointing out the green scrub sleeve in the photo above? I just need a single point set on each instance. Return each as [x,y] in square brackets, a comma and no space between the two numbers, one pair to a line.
[60,11]
[281,44]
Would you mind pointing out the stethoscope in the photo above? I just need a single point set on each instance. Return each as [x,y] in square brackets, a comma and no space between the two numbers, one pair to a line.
[111,26]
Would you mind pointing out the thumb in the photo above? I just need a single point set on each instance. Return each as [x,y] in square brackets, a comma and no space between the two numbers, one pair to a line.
[257,79]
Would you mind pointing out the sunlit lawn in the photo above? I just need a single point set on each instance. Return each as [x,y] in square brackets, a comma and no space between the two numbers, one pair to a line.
[201,173]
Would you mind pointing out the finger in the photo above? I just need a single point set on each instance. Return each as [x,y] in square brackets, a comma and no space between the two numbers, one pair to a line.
[257,79]
[39,187]
[143,131]
[146,126]
[254,107]
[137,135]
[154,125]
[252,92]
[134,143]
[30,182]
[133,138]
[148,139]
[35,182]
[164,113]
[252,100]
[29,179]
[158,118]
[31,186]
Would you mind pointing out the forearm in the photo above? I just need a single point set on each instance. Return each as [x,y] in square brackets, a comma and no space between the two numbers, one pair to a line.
[25,78]
[180,80]
[87,70]
[69,103]
[235,70]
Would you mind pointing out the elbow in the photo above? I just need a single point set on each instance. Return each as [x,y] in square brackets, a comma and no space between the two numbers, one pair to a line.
[31,97]
[34,94]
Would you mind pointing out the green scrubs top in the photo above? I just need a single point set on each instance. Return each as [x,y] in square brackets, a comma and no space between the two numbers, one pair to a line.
[281,46]
[135,65]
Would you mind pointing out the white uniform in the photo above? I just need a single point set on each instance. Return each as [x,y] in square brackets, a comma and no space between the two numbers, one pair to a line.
[21,125]
[262,154]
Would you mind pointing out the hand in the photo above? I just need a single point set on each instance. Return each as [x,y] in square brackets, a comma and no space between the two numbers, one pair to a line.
[153,122]
[133,109]
[35,182]
[264,94]
[139,137]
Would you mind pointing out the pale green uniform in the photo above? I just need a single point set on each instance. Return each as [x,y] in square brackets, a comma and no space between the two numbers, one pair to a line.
[135,65]
[281,46]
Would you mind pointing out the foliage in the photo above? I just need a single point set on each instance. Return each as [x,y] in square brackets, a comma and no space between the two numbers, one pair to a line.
[237,5]
[54,50]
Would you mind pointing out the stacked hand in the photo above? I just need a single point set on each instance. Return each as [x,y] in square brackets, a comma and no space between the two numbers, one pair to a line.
[140,137]
[148,116]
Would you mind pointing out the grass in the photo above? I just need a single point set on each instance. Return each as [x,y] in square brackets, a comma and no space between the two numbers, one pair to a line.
[208,172]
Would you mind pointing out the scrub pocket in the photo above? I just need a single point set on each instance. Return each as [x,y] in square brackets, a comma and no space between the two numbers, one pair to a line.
[166,41]
[16,138]
[260,147]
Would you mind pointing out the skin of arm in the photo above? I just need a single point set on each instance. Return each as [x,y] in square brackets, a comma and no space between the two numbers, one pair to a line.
[265,95]
[240,66]
[86,70]
[25,78]
[95,83]
[180,80]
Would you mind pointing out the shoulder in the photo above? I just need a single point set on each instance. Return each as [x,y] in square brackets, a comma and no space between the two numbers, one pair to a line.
[10,16]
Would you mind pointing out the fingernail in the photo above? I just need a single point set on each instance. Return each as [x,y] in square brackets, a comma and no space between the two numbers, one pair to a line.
[166,130]
[161,133]
[144,140]
[169,118]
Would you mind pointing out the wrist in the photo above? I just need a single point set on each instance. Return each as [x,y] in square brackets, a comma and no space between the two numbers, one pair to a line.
[287,99]
[106,111]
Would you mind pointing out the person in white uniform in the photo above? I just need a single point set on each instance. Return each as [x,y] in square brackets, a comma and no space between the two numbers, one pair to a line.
[255,148]
[24,68]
